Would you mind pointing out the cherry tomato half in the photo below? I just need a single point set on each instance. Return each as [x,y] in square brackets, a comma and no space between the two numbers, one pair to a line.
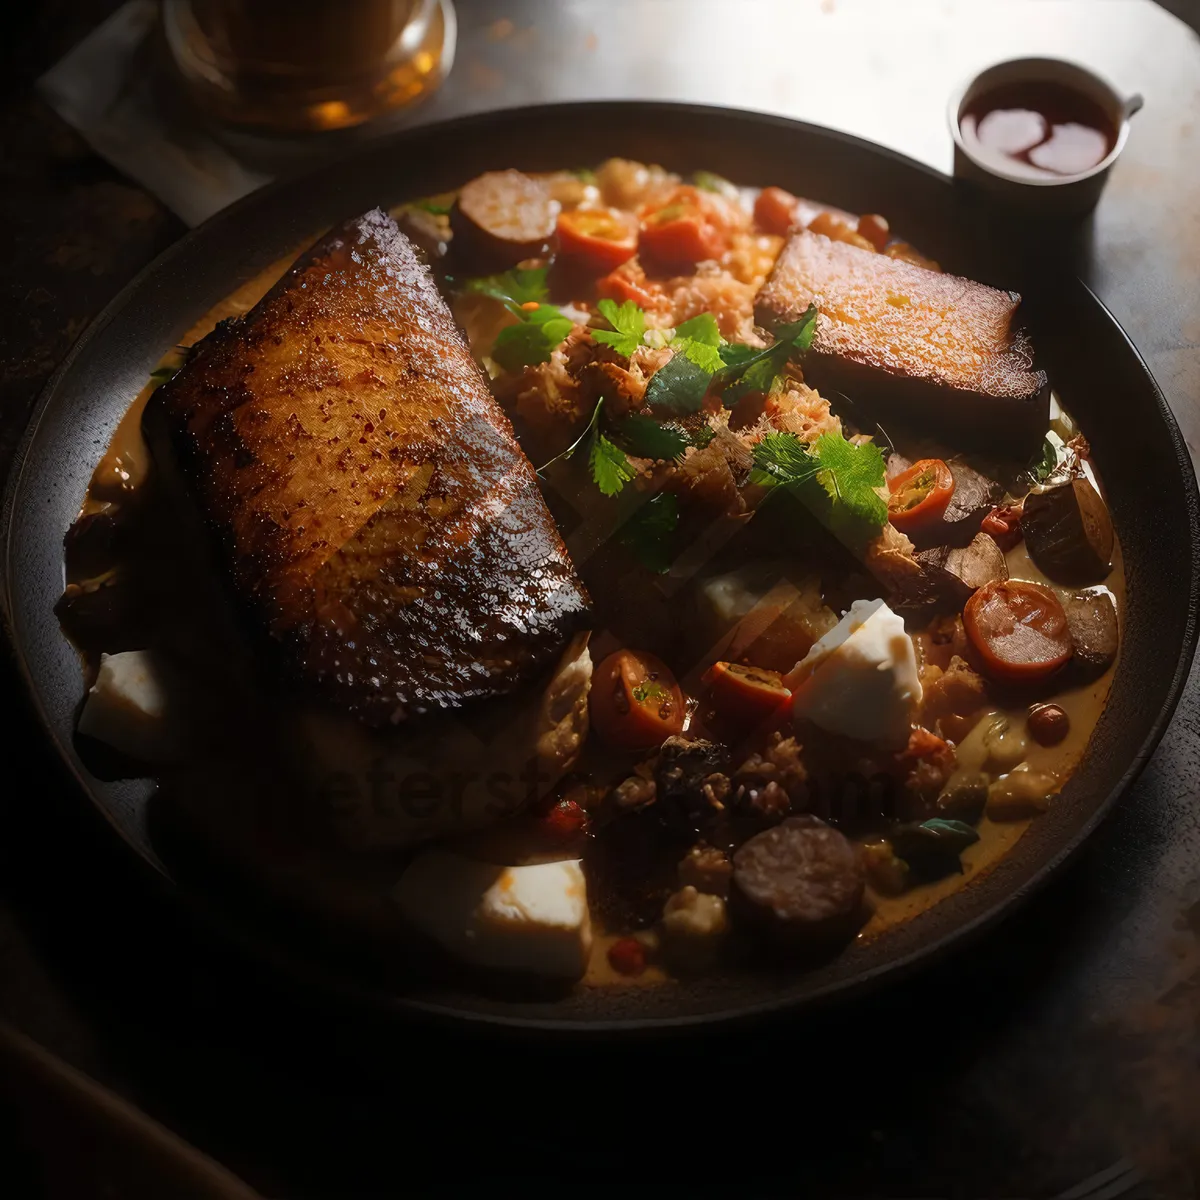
[745,695]
[683,232]
[635,702]
[775,210]
[1018,630]
[598,239]
[919,496]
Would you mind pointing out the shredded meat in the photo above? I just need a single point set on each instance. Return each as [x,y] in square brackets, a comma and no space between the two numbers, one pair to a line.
[706,478]
[624,387]
[549,400]
[775,781]
[713,289]
[802,411]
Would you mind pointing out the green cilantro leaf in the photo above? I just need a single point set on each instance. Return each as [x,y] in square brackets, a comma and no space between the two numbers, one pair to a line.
[756,370]
[521,285]
[850,474]
[701,329]
[529,342]
[610,468]
[1047,460]
[678,386]
[628,326]
[834,478]
[540,329]
[648,532]
[700,340]
[782,458]
[646,438]
[799,334]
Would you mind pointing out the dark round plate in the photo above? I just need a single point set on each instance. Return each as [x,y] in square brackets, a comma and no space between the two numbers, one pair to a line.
[1095,368]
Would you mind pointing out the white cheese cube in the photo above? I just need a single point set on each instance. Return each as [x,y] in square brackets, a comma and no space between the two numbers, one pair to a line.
[861,678]
[127,707]
[530,919]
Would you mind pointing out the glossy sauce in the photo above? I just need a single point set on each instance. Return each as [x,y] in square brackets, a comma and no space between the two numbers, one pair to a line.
[1042,130]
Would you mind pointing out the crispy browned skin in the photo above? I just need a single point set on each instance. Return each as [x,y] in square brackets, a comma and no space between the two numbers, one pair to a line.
[368,494]
[931,347]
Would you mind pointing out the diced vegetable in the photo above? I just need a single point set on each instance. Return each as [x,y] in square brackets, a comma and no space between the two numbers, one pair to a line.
[919,496]
[597,239]
[886,873]
[963,797]
[1068,532]
[635,703]
[627,956]
[745,695]
[875,229]
[682,233]
[565,820]
[627,282]
[957,571]
[694,925]
[1003,525]
[1018,630]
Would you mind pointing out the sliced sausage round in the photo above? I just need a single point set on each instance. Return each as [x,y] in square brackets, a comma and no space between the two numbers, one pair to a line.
[801,881]
[501,218]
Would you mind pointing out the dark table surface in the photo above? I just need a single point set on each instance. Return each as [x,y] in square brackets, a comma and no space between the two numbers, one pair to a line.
[1062,1048]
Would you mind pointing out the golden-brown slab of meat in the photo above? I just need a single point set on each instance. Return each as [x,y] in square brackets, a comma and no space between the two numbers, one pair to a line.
[921,345]
[367,492]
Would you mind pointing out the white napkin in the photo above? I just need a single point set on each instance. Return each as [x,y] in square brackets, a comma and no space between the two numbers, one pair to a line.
[108,90]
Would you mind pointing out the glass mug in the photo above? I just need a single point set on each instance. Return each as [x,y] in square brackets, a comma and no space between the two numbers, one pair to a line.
[300,66]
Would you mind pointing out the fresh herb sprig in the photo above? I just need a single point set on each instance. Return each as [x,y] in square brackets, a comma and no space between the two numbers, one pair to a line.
[540,326]
[838,480]
[749,370]
[705,362]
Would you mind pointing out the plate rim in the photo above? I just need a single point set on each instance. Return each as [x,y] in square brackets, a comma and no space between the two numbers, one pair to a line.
[213,915]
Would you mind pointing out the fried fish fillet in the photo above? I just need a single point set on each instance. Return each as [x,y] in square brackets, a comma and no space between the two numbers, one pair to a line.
[924,346]
[367,493]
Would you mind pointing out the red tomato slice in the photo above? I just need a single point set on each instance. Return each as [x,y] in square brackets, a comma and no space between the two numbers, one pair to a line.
[635,703]
[743,694]
[919,496]
[686,230]
[1018,630]
[598,239]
